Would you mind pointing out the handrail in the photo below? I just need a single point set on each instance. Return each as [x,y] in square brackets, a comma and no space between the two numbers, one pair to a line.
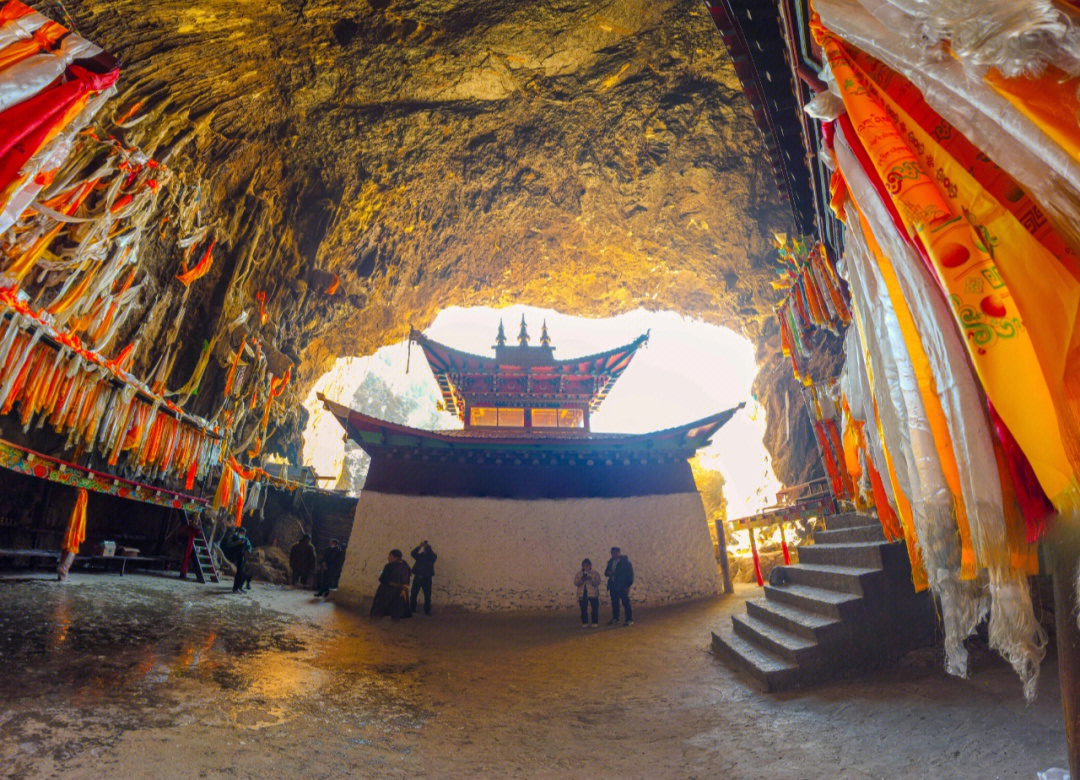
[778,515]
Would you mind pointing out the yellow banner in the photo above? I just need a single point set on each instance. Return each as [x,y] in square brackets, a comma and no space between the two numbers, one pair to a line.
[945,213]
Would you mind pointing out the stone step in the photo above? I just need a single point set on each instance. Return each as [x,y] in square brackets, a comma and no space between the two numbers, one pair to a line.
[846,579]
[766,670]
[775,640]
[848,603]
[862,533]
[849,520]
[796,620]
[829,603]
[865,555]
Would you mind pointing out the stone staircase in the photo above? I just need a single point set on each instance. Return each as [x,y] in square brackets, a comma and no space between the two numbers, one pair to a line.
[848,603]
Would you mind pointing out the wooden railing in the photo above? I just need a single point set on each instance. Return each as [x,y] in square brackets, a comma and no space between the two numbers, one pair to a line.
[815,488]
[809,504]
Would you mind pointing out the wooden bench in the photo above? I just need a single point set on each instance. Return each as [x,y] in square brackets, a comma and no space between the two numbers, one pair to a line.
[53,555]
[119,562]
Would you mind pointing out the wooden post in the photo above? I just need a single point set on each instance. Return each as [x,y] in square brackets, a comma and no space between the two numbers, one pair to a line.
[1064,559]
[725,568]
[783,545]
[757,559]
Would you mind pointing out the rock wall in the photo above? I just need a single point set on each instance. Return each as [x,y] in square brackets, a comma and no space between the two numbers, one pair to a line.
[592,156]
[501,554]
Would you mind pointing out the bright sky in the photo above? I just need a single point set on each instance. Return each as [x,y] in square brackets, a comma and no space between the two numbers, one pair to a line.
[688,370]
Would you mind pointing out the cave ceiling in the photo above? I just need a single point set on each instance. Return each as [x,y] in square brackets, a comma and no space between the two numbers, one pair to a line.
[588,156]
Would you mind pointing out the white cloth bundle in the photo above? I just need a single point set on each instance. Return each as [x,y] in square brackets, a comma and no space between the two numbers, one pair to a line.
[20,29]
[856,386]
[1014,630]
[25,79]
[49,157]
[1040,165]
[910,442]
[1018,37]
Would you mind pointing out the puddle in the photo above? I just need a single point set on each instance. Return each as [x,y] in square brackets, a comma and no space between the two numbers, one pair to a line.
[88,661]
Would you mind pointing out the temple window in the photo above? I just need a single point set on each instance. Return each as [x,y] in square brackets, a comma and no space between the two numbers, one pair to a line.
[483,416]
[545,418]
[571,418]
[511,418]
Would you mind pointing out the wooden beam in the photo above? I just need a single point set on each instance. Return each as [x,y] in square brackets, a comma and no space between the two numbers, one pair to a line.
[725,566]
[46,467]
[1064,562]
[757,558]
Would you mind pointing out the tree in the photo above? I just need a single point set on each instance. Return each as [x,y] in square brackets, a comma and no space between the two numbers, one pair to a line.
[710,484]
[376,397]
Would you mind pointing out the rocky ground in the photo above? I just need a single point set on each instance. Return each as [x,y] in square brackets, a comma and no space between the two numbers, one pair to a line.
[149,677]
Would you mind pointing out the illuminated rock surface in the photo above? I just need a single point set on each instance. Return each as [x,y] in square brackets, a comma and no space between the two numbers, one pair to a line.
[591,157]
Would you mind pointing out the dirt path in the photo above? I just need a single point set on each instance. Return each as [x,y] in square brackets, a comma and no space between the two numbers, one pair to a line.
[148,677]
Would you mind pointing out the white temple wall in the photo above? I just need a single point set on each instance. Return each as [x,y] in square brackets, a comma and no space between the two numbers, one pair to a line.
[501,554]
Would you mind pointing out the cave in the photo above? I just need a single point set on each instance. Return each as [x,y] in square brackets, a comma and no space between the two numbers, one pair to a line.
[592,160]
[224,226]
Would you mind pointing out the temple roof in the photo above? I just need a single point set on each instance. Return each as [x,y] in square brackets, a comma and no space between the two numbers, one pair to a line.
[372,433]
[528,371]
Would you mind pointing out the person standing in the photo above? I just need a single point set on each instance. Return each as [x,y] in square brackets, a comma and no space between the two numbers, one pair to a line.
[620,576]
[329,568]
[302,560]
[241,547]
[587,583]
[187,534]
[423,570]
[392,596]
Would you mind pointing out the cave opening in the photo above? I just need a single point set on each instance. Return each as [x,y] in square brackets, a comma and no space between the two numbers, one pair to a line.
[688,370]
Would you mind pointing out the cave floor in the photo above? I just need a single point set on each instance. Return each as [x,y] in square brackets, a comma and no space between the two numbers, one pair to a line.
[148,677]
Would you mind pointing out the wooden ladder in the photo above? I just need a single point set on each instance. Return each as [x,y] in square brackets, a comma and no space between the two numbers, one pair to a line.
[203,561]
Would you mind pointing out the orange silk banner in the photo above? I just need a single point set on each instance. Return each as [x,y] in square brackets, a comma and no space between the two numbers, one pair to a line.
[43,39]
[1041,283]
[999,184]
[1049,101]
[987,280]
[76,530]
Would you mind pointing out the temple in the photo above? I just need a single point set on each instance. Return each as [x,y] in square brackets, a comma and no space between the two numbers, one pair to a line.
[523,386]
[526,489]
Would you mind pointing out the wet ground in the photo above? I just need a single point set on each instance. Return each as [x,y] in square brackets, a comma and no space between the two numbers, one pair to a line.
[149,677]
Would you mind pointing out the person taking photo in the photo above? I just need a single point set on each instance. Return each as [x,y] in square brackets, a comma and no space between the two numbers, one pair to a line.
[587,583]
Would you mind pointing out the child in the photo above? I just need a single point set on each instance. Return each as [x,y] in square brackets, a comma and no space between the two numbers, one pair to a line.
[587,583]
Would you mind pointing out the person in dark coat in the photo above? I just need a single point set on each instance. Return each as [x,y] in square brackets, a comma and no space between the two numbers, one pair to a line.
[620,576]
[240,548]
[329,568]
[302,560]
[423,570]
[392,596]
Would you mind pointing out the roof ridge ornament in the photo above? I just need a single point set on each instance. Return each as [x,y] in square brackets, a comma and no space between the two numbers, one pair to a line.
[523,334]
[500,337]
[545,339]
